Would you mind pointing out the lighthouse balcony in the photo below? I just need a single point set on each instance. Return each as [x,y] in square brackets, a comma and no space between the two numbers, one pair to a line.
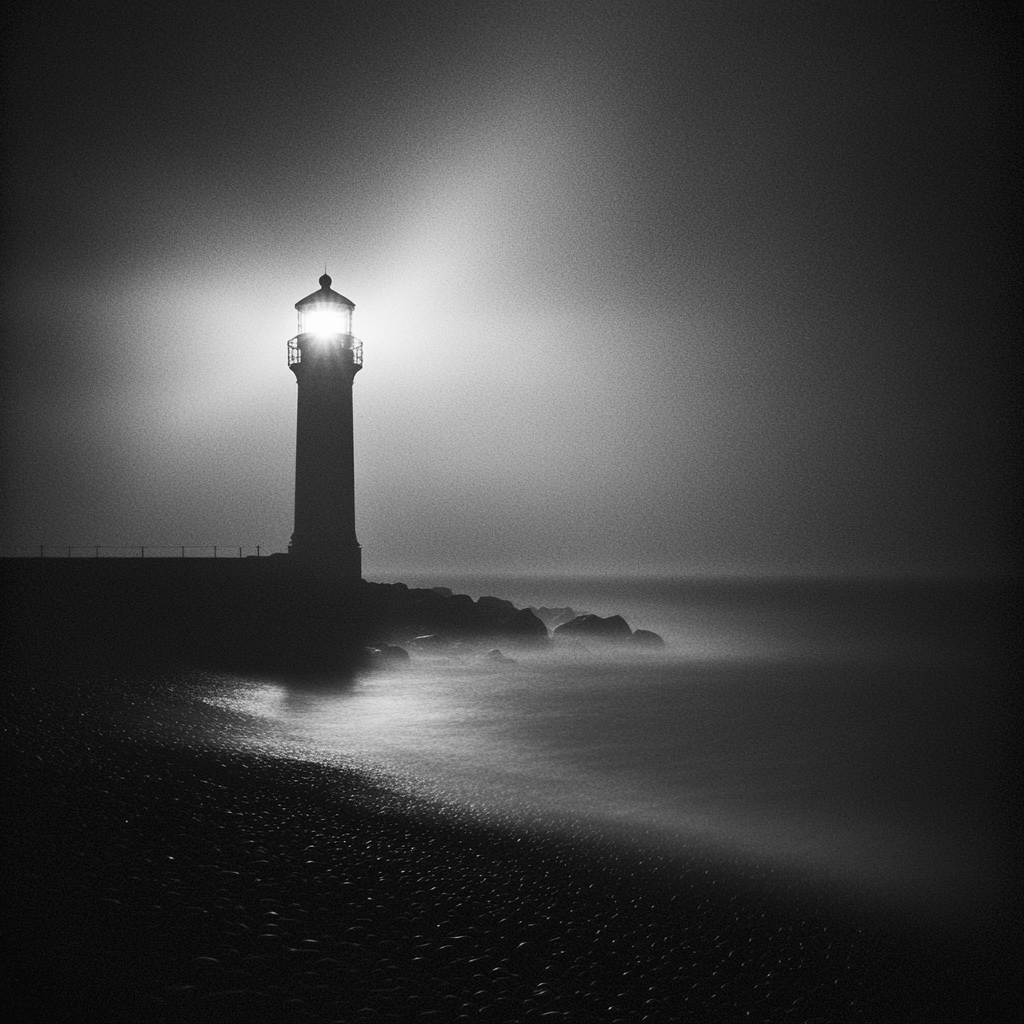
[339,342]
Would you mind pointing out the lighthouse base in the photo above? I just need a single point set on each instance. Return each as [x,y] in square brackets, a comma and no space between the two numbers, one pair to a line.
[341,564]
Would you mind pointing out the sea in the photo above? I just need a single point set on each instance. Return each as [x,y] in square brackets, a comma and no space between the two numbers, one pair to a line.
[854,734]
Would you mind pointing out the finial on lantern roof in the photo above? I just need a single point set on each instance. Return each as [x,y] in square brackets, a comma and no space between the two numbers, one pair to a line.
[325,294]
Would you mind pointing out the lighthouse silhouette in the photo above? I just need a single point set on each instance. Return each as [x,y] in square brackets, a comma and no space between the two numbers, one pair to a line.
[325,358]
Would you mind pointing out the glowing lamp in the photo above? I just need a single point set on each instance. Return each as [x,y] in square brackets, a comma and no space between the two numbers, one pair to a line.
[325,322]
[325,313]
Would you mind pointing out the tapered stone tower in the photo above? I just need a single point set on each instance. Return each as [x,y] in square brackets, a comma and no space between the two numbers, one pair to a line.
[325,359]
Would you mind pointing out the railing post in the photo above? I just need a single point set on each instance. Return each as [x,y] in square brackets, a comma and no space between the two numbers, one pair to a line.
[257,551]
[214,550]
[143,552]
[182,550]
[69,551]
[239,552]
[40,550]
[97,551]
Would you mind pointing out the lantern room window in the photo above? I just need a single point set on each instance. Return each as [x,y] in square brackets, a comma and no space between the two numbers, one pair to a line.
[325,319]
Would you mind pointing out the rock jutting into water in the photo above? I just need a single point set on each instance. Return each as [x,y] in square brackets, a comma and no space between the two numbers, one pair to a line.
[646,638]
[496,656]
[614,627]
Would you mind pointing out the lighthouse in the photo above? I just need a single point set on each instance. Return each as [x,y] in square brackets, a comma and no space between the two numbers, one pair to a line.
[325,358]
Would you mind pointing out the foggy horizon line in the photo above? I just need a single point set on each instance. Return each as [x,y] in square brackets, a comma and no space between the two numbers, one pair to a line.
[722,574]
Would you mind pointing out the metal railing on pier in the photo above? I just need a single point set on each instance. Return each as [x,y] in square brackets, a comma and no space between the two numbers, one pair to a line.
[127,551]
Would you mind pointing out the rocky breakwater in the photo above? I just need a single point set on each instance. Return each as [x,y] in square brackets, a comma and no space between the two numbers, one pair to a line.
[437,615]
[436,620]
[610,630]
[401,618]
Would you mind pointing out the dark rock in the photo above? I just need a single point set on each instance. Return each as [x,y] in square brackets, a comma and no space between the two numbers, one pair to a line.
[394,654]
[614,627]
[495,609]
[443,591]
[419,610]
[646,638]
[524,625]
[497,656]
[459,618]
[460,610]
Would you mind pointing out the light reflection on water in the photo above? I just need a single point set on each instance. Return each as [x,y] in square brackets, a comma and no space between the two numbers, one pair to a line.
[862,774]
[851,733]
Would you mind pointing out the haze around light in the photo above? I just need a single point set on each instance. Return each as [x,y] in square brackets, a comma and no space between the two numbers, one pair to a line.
[662,292]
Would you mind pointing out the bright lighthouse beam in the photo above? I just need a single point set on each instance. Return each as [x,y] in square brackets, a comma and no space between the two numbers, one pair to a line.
[326,322]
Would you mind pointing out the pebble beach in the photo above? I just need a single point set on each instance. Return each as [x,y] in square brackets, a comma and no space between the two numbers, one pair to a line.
[159,878]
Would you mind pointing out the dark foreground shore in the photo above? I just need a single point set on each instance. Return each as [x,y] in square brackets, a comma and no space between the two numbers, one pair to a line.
[165,882]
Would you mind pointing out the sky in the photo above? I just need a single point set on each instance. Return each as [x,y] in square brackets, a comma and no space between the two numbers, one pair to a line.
[679,288]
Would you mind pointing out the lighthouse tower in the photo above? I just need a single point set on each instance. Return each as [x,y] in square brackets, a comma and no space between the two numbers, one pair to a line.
[325,359]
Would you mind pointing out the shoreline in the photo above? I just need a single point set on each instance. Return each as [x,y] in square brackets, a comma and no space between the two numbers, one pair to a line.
[170,883]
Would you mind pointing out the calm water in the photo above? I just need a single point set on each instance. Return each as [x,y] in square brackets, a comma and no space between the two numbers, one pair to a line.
[857,734]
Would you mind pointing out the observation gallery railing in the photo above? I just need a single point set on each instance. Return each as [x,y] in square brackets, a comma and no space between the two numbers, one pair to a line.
[348,344]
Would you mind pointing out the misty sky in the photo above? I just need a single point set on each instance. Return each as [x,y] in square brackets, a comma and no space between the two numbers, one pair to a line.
[642,286]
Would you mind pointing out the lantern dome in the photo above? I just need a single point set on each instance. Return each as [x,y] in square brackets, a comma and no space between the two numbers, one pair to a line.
[325,311]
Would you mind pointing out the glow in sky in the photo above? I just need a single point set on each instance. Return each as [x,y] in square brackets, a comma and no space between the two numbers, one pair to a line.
[641,286]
